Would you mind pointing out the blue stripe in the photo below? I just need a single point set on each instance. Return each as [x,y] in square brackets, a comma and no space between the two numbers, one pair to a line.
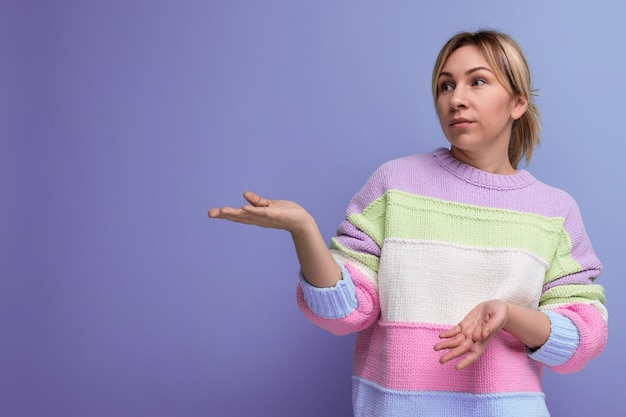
[561,344]
[334,302]
[372,400]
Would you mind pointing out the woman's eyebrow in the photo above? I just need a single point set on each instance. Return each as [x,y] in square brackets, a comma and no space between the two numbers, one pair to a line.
[471,70]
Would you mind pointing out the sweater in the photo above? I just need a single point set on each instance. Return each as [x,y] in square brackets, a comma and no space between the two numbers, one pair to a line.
[425,240]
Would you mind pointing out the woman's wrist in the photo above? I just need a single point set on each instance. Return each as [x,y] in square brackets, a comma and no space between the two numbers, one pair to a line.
[303,226]
[530,326]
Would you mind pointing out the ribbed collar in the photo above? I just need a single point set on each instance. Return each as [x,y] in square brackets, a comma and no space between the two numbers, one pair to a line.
[480,178]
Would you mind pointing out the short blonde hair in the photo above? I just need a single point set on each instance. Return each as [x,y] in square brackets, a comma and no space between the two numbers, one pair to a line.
[510,67]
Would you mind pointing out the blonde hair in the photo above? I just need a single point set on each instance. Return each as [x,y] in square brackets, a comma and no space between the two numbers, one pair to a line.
[507,60]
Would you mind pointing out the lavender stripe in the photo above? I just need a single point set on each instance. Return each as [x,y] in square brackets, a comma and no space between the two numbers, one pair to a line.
[439,175]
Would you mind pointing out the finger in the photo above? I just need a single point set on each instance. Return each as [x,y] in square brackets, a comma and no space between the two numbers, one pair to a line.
[488,334]
[219,212]
[450,332]
[490,328]
[255,211]
[460,350]
[233,215]
[255,199]
[450,343]
[469,359]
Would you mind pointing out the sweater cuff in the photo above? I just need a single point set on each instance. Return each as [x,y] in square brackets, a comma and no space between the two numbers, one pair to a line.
[334,302]
[561,343]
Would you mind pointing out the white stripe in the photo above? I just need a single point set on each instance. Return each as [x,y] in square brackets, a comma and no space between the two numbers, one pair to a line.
[439,282]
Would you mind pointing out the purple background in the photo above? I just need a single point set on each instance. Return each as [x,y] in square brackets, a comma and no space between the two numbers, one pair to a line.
[122,122]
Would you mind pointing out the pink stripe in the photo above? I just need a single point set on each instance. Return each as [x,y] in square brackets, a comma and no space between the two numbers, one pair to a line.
[400,356]
[593,331]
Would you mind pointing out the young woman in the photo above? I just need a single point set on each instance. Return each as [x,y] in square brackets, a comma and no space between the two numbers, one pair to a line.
[462,275]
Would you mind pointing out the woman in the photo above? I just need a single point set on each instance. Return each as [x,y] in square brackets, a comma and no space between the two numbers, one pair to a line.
[457,251]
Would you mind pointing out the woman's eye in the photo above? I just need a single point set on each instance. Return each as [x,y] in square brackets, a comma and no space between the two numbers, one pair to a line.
[446,87]
[478,82]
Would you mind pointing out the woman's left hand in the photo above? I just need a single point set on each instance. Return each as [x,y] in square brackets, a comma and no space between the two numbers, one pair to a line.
[471,336]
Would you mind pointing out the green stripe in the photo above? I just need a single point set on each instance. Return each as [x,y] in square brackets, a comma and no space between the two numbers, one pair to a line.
[573,293]
[562,263]
[366,259]
[372,220]
[403,215]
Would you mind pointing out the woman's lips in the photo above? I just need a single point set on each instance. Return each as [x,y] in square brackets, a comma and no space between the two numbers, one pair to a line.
[459,123]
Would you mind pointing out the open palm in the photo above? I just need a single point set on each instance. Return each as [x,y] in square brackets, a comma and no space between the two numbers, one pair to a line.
[275,214]
[471,336]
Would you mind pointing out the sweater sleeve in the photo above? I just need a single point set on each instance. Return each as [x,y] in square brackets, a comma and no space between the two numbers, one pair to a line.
[352,304]
[574,303]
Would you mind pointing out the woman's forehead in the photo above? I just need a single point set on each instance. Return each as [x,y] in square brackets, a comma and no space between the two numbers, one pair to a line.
[467,58]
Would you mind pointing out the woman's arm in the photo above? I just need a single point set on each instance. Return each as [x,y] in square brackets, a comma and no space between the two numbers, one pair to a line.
[318,265]
[531,327]
[339,299]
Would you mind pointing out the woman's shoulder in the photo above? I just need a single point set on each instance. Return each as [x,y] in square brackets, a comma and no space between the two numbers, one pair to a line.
[557,200]
[395,174]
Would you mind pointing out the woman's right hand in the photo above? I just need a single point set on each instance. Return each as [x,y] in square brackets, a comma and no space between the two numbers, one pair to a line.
[275,214]
[318,265]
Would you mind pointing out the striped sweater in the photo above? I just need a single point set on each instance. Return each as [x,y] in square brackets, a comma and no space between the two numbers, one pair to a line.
[425,240]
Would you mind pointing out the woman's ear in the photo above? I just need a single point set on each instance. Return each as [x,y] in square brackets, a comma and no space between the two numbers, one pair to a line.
[519,107]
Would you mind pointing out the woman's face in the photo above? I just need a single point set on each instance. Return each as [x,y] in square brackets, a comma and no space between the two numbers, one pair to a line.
[476,112]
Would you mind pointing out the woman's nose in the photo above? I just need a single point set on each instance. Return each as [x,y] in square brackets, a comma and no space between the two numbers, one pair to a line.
[458,99]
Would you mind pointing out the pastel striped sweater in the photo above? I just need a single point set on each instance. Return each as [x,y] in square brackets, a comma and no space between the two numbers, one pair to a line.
[424,241]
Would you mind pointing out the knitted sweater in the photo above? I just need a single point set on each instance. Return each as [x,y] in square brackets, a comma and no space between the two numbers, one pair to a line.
[425,240]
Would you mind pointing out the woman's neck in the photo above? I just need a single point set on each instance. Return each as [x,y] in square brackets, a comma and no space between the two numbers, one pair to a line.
[494,164]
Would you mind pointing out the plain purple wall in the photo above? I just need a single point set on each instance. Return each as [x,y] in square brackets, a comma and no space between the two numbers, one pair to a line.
[122,122]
